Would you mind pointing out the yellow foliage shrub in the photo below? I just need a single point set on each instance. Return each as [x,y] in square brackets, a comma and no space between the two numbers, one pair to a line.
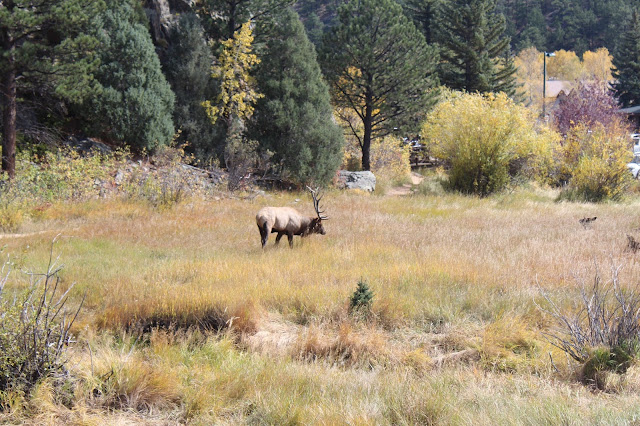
[12,215]
[485,140]
[594,163]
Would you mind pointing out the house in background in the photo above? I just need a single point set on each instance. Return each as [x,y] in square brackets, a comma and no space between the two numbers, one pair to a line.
[557,88]
[554,92]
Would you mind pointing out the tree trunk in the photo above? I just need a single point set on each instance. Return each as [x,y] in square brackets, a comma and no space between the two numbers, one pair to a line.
[366,148]
[367,123]
[231,25]
[9,110]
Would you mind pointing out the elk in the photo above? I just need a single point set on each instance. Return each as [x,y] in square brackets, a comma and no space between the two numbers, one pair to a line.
[287,220]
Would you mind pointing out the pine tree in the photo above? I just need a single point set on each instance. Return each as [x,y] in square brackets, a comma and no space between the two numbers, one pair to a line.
[361,299]
[380,67]
[475,49]
[294,119]
[44,45]
[422,13]
[575,26]
[531,30]
[627,65]
[187,66]
[223,18]
[136,102]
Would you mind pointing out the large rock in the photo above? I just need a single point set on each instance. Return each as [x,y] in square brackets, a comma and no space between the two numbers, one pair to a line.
[87,146]
[160,18]
[365,181]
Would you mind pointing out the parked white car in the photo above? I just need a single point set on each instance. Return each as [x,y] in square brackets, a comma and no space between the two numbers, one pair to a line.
[634,165]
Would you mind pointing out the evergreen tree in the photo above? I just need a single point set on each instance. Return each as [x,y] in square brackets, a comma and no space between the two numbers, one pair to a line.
[381,68]
[475,49]
[223,18]
[361,299]
[574,26]
[44,47]
[422,13]
[136,102]
[532,27]
[187,66]
[294,118]
[627,65]
[315,28]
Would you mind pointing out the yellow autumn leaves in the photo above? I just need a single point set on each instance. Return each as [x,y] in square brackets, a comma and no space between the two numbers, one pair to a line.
[237,88]
[487,140]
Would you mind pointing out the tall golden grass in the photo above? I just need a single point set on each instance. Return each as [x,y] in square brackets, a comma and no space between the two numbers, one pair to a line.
[187,319]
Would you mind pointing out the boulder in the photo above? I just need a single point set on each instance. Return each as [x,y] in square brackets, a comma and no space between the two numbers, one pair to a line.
[365,181]
[160,18]
[87,145]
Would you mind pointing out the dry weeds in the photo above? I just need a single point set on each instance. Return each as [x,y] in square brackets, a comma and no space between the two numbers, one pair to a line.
[454,336]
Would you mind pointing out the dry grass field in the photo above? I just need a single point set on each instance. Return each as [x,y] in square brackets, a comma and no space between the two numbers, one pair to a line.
[188,320]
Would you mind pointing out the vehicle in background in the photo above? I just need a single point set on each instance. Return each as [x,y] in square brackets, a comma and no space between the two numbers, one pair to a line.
[634,165]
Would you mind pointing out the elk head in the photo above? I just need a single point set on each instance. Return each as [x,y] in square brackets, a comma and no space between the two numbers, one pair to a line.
[316,223]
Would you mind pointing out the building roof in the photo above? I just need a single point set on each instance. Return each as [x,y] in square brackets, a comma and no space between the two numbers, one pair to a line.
[554,87]
[631,110]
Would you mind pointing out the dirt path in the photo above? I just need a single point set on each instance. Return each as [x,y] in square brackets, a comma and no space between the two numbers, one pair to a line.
[407,188]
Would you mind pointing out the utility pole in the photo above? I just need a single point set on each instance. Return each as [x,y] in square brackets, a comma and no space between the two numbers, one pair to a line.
[544,83]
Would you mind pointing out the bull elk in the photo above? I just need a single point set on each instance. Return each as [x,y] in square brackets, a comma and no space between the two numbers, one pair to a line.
[287,220]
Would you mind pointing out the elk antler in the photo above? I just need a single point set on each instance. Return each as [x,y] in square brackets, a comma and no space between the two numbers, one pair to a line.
[316,202]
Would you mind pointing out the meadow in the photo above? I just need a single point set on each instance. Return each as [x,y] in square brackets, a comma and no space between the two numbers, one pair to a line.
[188,320]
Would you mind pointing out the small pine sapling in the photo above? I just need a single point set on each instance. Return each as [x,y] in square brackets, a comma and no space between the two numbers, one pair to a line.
[361,299]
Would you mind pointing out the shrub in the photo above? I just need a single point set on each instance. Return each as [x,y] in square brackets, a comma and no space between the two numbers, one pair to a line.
[390,159]
[589,104]
[165,182]
[63,174]
[486,140]
[12,215]
[603,334]
[361,299]
[240,156]
[593,162]
[34,331]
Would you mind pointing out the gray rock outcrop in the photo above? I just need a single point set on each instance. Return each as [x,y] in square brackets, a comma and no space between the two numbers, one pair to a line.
[86,146]
[365,181]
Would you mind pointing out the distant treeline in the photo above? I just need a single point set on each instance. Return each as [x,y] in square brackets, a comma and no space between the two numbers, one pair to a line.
[548,25]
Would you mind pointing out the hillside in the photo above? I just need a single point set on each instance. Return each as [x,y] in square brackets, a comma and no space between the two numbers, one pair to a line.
[548,25]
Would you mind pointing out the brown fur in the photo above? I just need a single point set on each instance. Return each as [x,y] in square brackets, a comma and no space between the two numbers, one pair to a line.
[286,221]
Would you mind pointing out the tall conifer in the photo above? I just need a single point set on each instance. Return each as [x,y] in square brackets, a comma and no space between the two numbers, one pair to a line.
[136,103]
[294,118]
[380,67]
[187,66]
[475,50]
[43,46]
[627,65]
